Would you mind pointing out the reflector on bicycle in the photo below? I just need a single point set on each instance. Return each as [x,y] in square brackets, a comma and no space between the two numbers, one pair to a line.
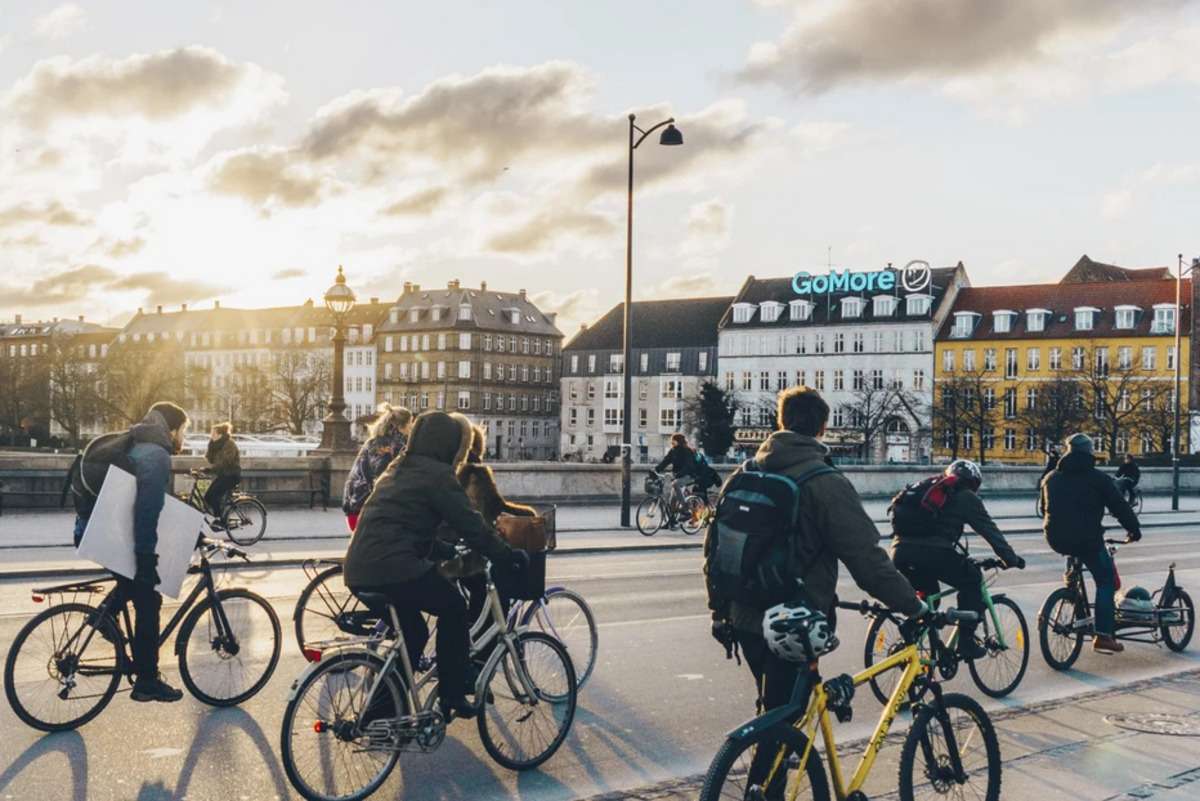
[311,654]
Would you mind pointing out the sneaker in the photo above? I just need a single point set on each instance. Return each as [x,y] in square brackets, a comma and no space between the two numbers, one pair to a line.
[155,689]
[456,708]
[1106,644]
[970,649]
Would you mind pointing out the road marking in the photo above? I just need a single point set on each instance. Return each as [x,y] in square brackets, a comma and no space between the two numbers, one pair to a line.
[162,753]
[690,676]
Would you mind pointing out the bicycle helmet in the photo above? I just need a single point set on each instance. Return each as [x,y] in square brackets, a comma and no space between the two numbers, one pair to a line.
[796,633]
[967,471]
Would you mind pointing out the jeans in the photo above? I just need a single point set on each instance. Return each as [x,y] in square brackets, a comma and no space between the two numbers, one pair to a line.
[924,566]
[220,487]
[1100,565]
[147,604]
[776,680]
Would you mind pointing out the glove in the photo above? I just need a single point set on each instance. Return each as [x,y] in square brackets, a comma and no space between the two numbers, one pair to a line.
[441,551]
[1014,561]
[1134,536]
[519,560]
[922,612]
[147,569]
[722,632]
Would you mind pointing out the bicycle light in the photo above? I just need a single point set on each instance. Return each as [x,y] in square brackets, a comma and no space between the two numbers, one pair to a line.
[37,599]
[312,654]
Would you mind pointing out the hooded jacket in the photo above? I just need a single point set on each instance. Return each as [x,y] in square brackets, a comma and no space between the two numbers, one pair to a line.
[1075,496]
[417,493]
[964,508]
[833,516]
[151,458]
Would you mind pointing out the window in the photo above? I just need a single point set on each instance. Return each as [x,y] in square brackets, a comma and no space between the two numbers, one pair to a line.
[1033,359]
[839,342]
[742,312]
[857,342]
[947,361]
[747,380]
[1149,356]
[591,362]
[839,382]
[672,388]
[1124,358]
[1031,396]
[591,391]
[1056,358]
[918,380]
[1010,439]
[989,360]
[964,324]
[1035,319]
[574,361]
[1010,402]
[387,344]
[1126,317]
[591,417]
[525,345]
[852,308]
[969,360]
[989,397]
[1031,440]
[673,360]
[464,369]
[612,417]
[858,380]
[918,340]
[1010,362]
[801,343]
[884,305]
[644,362]
[1164,319]
[425,342]
[989,439]
[729,381]
[819,380]
[1101,361]
[800,382]
[1171,357]
[1077,358]
[1084,318]
[572,413]
[800,310]
[615,362]
[464,341]
[877,342]
[702,365]
[669,419]
[839,418]
[1002,321]
[441,369]
[818,343]
[877,378]
[764,380]
[464,400]
[500,344]
[781,380]
[968,440]
[769,311]
[441,340]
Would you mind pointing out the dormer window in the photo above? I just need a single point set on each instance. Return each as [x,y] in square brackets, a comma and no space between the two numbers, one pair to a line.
[800,310]
[435,314]
[742,312]
[852,308]
[514,316]
[414,315]
[964,324]
[1035,319]
[769,311]
[464,311]
[917,305]
[1085,318]
[394,316]
[1164,319]
[1002,320]
[884,305]
[1126,316]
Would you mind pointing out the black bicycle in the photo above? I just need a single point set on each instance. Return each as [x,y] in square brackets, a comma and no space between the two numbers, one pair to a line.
[243,517]
[67,663]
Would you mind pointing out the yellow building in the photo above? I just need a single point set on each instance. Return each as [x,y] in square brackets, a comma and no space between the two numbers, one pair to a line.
[1017,367]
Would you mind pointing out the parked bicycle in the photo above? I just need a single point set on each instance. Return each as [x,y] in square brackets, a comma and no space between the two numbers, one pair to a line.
[1002,630]
[327,610]
[951,748]
[360,705]
[66,664]
[243,517]
[689,509]
[1067,616]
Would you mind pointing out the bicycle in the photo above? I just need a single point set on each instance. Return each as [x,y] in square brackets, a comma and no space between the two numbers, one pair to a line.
[951,734]
[326,610]
[73,655]
[1002,630]
[243,517]
[1067,616]
[657,510]
[359,705]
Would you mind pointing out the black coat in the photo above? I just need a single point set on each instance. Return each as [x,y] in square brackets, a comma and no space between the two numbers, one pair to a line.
[1075,497]
[681,459]
[1129,470]
[964,508]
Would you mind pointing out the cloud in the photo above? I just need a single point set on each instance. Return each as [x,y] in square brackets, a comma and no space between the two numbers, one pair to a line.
[120,248]
[64,287]
[289,272]
[709,219]
[265,175]
[51,213]
[685,286]
[161,288]
[422,202]
[572,308]
[60,23]
[1154,180]
[1116,204]
[537,233]
[874,40]
[817,137]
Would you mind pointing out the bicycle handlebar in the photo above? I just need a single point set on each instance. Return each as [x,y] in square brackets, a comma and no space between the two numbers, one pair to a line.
[946,618]
[1125,541]
[209,545]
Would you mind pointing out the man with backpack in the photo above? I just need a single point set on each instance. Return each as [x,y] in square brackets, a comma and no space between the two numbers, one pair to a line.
[784,521]
[1075,496]
[928,518]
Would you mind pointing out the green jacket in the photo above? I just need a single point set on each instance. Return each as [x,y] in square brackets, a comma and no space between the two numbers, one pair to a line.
[832,512]
[222,453]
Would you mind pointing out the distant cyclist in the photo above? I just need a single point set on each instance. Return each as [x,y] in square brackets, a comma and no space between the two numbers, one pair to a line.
[225,463]
[1128,476]
[681,459]
[1052,457]
[927,522]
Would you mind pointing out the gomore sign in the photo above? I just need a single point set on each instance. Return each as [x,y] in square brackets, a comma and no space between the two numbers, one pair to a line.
[914,278]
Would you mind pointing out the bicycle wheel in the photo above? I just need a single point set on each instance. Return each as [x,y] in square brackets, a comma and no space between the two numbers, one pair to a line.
[961,724]
[651,514]
[224,662]
[1180,613]
[326,610]
[729,778]
[62,669]
[565,616]
[883,640]
[999,673]
[1060,641]
[1137,502]
[326,755]
[517,730]
[245,520]
[691,516]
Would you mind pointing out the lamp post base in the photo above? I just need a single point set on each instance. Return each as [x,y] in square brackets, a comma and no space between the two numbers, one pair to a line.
[335,434]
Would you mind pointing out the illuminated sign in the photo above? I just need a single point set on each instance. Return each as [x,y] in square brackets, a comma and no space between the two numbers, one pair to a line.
[914,277]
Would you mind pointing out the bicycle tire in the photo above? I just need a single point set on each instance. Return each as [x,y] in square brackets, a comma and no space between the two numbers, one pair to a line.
[303,611]
[691,518]
[193,619]
[103,639]
[875,648]
[1050,607]
[493,694]
[339,663]
[1189,611]
[242,529]
[727,758]
[921,729]
[532,615]
[994,653]
[655,513]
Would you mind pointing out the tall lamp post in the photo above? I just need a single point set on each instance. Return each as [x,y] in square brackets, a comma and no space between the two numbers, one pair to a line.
[1175,439]
[670,136]
[335,432]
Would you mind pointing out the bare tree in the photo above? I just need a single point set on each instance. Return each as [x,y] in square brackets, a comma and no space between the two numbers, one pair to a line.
[1113,393]
[252,399]
[951,419]
[301,387]
[1156,421]
[873,405]
[24,397]
[138,376]
[74,400]
[1058,408]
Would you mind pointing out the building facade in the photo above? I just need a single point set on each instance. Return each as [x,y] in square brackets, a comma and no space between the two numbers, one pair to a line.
[673,350]
[864,340]
[491,355]
[1019,367]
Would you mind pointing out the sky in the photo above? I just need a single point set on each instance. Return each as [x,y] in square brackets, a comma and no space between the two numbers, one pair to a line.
[169,153]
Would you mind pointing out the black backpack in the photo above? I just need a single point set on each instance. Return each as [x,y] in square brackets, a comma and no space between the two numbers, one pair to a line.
[752,552]
[86,475]
[914,510]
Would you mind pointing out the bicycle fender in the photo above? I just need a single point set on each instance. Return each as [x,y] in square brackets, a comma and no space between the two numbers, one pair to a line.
[752,728]
[333,653]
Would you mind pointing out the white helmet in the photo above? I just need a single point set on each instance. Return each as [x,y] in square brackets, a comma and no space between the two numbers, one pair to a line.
[796,633]
[966,470]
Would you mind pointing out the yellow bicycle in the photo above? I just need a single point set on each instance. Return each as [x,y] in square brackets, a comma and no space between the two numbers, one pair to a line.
[950,750]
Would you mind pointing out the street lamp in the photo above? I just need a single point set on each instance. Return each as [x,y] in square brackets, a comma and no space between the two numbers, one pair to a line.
[670,137]
[1179,274]
[335,432]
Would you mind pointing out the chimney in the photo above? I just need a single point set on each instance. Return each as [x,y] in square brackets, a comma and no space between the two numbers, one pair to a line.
[17,319]
[583,326]
[183,307]
[308,302]
[521,292]
[452,284]
[139,314]
[216,304]
[81,318]
[159,309]
[416,287]
[483,286]
[374,301]
[407,287]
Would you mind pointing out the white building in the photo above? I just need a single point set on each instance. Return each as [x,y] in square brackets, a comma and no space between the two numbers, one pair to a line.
[359,377]
[851,336]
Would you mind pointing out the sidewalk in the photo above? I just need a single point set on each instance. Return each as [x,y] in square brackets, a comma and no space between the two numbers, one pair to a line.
[1140,741]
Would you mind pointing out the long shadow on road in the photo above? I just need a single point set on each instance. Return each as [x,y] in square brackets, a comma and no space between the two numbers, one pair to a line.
[71,745]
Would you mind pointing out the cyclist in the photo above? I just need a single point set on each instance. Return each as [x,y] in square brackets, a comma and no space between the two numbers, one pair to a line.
[1128,476]
[225,461]
[395,548]
[833,521]
[386,438]
[926,546]
[1052,457]
[1075,497]
[682,461]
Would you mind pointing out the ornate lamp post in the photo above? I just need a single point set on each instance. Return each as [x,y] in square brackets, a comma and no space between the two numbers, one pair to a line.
[335,432]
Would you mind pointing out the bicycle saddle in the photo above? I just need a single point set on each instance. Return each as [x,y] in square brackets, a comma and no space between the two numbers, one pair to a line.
[376,601]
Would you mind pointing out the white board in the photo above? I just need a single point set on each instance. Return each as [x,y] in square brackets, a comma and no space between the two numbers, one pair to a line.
[108,537]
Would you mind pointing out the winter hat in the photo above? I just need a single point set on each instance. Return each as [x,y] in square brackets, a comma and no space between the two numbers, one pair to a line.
[1080,443]
[174,416]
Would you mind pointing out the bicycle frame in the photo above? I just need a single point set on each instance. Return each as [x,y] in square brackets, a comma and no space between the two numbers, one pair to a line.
[988,603]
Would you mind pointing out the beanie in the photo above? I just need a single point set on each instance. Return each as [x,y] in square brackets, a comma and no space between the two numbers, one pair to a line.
[1079,443]
[174,416]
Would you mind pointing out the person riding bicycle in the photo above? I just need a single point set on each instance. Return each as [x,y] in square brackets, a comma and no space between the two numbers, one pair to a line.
[927,524]
[682,461]
[386,438]
[225,463]
[1075,497]
[395,549]
[1128,476]
[1052,457]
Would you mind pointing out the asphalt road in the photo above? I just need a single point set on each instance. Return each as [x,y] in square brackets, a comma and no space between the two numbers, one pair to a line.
[657,707]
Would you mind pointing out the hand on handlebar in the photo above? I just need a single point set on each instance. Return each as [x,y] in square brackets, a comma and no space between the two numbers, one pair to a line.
[1015,561]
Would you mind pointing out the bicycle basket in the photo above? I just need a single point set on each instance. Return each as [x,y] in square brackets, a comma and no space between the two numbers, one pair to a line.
[527,585]
[653,485]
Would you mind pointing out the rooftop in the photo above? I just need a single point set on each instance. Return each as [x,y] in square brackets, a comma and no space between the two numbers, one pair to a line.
[490,310]
[1087,271]
[223,318]
[678,323]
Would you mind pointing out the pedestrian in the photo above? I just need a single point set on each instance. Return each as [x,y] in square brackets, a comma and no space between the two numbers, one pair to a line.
[386,438]
[225,463]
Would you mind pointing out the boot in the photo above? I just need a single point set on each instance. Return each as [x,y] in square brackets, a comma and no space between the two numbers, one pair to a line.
[1106,644]
[970,648]
[458,707]
[154,689]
